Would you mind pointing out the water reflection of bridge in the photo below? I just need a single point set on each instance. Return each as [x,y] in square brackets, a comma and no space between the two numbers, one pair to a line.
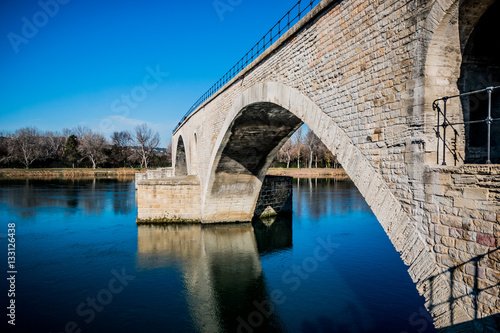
[223,277]
[221,267]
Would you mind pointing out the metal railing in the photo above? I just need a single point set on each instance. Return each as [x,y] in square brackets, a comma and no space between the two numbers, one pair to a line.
[282,26]
[442,113]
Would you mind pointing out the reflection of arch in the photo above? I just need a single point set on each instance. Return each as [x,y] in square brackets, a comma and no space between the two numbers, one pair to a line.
[449,26]
[213,259]
[180,159]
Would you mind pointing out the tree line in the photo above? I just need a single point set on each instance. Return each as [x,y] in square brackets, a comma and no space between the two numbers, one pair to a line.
[305,150]
[82,147]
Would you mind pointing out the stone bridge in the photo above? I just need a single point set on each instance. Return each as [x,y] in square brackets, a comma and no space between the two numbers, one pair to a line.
[363,76]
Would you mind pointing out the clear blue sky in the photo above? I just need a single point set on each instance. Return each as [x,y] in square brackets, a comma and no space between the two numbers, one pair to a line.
[75,64]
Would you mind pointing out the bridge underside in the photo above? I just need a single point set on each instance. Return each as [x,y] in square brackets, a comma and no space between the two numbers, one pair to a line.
[248,149]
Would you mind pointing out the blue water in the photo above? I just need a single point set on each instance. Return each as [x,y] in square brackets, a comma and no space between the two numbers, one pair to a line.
[85,266]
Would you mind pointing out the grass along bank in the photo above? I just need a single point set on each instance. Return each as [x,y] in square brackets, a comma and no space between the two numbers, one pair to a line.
[68,173]
[339,174]
[83,173]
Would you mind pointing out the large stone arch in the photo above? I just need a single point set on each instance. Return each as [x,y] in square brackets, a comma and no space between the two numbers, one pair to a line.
[447,29]
[289,102]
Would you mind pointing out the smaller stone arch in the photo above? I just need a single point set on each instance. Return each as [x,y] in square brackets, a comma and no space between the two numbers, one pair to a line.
[180,159]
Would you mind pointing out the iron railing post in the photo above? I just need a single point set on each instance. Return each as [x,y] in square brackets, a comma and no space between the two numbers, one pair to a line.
[489,120]
[437,131]
[445,99]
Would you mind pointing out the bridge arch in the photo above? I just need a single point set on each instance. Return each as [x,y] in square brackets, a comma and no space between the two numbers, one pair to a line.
[263,118]
[180,158]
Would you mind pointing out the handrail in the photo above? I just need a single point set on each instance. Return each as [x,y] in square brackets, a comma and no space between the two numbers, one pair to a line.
[446,123]
[282,26]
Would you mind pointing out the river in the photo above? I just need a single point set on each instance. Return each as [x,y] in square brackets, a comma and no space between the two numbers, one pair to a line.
[83,264]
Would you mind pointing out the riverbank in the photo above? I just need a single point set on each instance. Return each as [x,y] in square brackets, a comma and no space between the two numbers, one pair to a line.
[129,173]
[68,173]
[339,174]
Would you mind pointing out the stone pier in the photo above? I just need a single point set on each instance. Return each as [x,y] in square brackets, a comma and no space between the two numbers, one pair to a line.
[162,197]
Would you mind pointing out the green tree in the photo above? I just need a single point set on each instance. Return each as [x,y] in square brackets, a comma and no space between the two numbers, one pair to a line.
[71,150]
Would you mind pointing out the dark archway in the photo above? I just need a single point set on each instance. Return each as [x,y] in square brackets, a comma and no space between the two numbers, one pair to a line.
[180,159]
[480,69]
[452,28]
[255,134]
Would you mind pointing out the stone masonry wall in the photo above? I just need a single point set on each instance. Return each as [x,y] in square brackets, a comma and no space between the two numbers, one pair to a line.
[175,199]
[463,205]
[275,196]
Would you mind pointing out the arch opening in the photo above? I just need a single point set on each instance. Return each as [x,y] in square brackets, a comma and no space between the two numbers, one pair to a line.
[480,68]
[259,123]
[255,136]
[452,67]
[180,159]
[248,148]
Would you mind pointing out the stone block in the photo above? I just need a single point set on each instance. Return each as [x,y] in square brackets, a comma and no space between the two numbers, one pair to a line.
[475,193]
[448,241]
[486,240]
[482,226]
[464,203]
[451,221]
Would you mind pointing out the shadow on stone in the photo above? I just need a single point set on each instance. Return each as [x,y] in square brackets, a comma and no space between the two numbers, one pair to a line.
[480,295]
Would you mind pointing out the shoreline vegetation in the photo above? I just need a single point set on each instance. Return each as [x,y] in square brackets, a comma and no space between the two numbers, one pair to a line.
[338,174]
[69,173]
[129,173]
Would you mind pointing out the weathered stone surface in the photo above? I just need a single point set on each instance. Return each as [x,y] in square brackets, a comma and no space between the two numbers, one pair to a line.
[275,196]
[178,199]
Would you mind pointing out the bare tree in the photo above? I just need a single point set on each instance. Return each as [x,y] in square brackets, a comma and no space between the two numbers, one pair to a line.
[298,142]
[312,144]
[91,145]
[121,150]
[168,152]
[66,132]
[285,153]
[147,142]
[121,139]
[25,145]
[53,145]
